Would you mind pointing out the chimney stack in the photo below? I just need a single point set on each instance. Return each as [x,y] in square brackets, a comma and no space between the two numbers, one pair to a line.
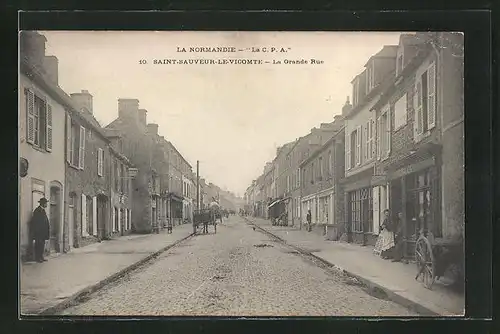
[83,100]
[128,108]
[32,48]
[153,129]
[51,67]
[346,108]
[141,114]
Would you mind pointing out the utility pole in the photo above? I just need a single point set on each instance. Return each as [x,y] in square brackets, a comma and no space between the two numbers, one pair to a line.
[197,191]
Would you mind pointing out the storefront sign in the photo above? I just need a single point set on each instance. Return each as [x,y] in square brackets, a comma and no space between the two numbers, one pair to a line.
[413,168]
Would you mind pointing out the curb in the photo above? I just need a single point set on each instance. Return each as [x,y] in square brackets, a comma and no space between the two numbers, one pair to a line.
[75,298]
[391,295]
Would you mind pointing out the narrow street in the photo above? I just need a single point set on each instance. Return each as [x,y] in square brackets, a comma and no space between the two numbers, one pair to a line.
[235,272]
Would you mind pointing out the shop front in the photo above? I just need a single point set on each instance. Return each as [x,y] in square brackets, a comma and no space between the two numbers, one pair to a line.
[415,193]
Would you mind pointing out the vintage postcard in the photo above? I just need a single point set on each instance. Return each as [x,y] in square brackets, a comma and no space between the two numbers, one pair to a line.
[224,173]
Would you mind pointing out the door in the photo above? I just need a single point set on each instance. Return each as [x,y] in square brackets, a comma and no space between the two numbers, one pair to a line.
[101,218]
[71,221]
[55,218]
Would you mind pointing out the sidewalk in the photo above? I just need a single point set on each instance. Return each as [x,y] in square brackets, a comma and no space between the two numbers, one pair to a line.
[396,279]
[45,285]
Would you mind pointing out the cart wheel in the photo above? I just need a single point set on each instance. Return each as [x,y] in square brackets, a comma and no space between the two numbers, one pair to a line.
[426,263]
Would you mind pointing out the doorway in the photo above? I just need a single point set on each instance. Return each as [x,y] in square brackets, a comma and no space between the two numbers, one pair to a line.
[102,230]
[55,218]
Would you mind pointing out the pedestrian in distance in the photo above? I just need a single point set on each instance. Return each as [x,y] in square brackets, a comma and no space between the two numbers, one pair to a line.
[169,226]
[40,229]
[309,220]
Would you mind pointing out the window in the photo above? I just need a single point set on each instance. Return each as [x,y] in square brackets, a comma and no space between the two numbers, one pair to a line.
[84,226]
[75,144]
[329,163]
[425,102]
[370,142]
[298,178]
[400,112]
[312,172]
[384,133]
[320,168]
[361,210]
[90,216]
[355,88]
[399,64]
[353,145]
[115,219]
[39,121]
[369,79]
[100,162]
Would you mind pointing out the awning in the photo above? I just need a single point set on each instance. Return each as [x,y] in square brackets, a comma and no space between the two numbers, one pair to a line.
[273,203]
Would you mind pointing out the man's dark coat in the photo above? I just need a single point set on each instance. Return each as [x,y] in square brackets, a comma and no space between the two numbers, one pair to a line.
[40,227]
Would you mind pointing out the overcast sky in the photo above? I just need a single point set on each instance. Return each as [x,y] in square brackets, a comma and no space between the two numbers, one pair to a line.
[230,117]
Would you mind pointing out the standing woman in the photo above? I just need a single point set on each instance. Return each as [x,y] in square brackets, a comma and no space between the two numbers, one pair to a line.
[385,241]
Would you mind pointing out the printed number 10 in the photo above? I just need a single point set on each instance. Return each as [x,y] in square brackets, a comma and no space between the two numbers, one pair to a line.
[143,61]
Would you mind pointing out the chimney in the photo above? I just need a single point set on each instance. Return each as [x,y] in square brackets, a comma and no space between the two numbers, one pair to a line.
[346,108]
[128,108]
[141,114]
[152,128]
[83,100]
[51,66]
[32,48]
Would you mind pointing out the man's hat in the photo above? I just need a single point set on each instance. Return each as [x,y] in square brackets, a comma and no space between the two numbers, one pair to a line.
[43,200]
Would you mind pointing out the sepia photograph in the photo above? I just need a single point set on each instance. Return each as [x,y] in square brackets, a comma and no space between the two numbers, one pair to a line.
[241,173]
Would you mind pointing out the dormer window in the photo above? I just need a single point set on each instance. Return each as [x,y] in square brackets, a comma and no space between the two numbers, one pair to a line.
[369,79]
[399,62]
[355,90]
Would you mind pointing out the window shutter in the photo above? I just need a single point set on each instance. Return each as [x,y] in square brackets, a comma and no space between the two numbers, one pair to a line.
[119,220]
[94,215]
[366,143]
[358,145]
[48,132]
[379,136]
[376,210]
[99,161]
[113,219]
[81,160]
[30,110]
[348,152]
[388,132]
[431,98]
[84,216]
[418,108]
[69,147]
[372,138]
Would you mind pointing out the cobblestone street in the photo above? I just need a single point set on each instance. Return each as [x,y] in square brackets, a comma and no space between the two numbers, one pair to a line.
[239,272]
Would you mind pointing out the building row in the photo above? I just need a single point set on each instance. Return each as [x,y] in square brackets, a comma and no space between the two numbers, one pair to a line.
[398,146]
[100,181]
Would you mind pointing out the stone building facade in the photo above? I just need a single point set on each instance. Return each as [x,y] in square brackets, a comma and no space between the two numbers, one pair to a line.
[88,176]
[360,145]
[420,159]
[42,115]
[138,147]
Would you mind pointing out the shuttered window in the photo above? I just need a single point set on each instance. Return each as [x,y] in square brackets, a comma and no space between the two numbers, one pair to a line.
[48,130]
[431,96]
[100,162]
[38,121]
[358,145]
[348,151]
[84,215]
[81,163]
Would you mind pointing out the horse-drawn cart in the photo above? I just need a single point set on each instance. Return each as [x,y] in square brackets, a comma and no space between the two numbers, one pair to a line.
[434,256]
[203,218]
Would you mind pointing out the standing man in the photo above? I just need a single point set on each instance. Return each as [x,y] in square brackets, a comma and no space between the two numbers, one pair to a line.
[40,229]
[309,219]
